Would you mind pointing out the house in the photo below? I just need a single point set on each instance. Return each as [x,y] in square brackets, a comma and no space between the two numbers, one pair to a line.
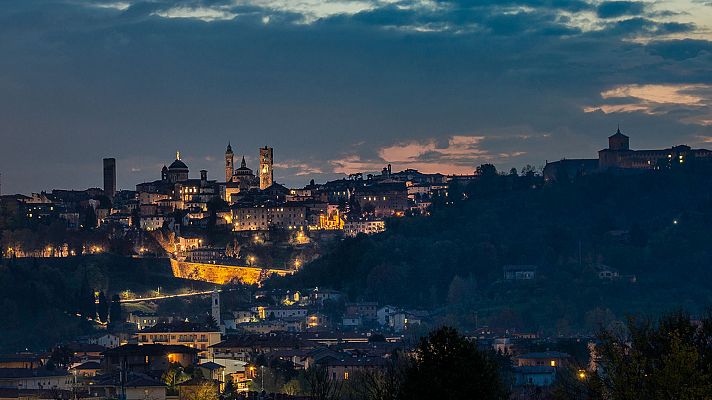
[319,296]
[545,358]
[281,312]
[137,386]
[147,357]
[34,394]
[351,320]
[106,340]
[20,360]
[383,313]
[231,369]
[144,320]
[86,351]
[347,367]
[87,369]
[37,378]
[212,370]
[400,320]
[242,347]
[383,199]
[317,320]
[189,334]
[367,226]
[519,272]
[368,311]
[534,375]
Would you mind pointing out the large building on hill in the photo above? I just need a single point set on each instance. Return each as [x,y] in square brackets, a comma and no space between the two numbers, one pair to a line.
[619,156]
[176,190]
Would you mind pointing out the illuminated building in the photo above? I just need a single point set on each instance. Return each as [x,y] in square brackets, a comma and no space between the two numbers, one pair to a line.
[383,199]
[364,225]
[266,163]
[331,221]
[254,218]
[619,156]
[194,335]
[237,180]
[175,190]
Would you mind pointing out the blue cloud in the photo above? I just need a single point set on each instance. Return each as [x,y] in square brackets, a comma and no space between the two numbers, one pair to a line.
[615,9]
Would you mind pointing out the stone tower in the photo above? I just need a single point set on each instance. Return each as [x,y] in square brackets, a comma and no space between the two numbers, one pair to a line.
[110,177]
[618,141]
[229,163]
[215,311]
[266,161]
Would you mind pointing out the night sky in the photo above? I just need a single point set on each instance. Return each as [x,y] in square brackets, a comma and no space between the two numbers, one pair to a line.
[341,86]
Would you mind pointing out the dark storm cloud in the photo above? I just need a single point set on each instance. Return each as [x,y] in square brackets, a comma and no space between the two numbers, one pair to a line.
[614,9]
[444,84]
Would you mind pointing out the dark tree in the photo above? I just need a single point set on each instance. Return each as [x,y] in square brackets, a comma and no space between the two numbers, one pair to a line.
[448,366]
[102,308]
[486,170]
[115,310]
[61,357]
[320,385]
[670,359]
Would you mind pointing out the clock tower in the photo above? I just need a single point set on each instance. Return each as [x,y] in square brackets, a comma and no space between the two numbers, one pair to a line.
[266,161]
[229,163]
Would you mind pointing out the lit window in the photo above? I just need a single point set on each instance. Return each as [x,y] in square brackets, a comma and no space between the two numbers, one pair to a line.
[553,363]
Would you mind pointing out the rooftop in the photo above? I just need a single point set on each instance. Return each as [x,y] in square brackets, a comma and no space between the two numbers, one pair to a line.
[179,327]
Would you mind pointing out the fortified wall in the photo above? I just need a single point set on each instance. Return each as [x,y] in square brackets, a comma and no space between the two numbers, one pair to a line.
[222,274]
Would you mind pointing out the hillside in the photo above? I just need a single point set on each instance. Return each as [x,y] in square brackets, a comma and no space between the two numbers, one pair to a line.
[40,297]
[655,226]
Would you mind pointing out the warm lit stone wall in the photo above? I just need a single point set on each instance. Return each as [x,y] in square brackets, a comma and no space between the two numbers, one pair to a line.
[221,274]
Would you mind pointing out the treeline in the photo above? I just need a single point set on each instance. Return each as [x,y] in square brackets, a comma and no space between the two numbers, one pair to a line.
[46,301]
[653,227]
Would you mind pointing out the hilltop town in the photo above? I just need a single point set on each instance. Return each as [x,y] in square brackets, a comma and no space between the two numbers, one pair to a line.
[245,288]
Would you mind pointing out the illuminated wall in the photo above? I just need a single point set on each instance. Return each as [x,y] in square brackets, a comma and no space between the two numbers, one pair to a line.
[221,274]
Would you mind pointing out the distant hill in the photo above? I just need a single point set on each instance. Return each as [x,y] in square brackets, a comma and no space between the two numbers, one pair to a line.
[655,227]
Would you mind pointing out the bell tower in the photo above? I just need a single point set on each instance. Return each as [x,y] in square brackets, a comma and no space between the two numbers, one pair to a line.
[266,161]
[229,163]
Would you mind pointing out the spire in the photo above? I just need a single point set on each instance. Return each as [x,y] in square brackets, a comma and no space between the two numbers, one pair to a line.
[243,164]
[619,129]
[177,155]
[229,148]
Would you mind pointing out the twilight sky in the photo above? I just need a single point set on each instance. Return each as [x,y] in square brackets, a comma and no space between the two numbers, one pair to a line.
[338,86]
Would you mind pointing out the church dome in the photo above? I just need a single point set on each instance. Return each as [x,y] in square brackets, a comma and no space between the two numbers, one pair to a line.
[178,164]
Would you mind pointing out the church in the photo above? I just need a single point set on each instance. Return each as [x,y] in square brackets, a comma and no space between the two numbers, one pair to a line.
[176,190]
[237,179]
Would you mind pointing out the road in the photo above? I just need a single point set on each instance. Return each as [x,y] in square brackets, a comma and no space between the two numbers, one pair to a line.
[167,296]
